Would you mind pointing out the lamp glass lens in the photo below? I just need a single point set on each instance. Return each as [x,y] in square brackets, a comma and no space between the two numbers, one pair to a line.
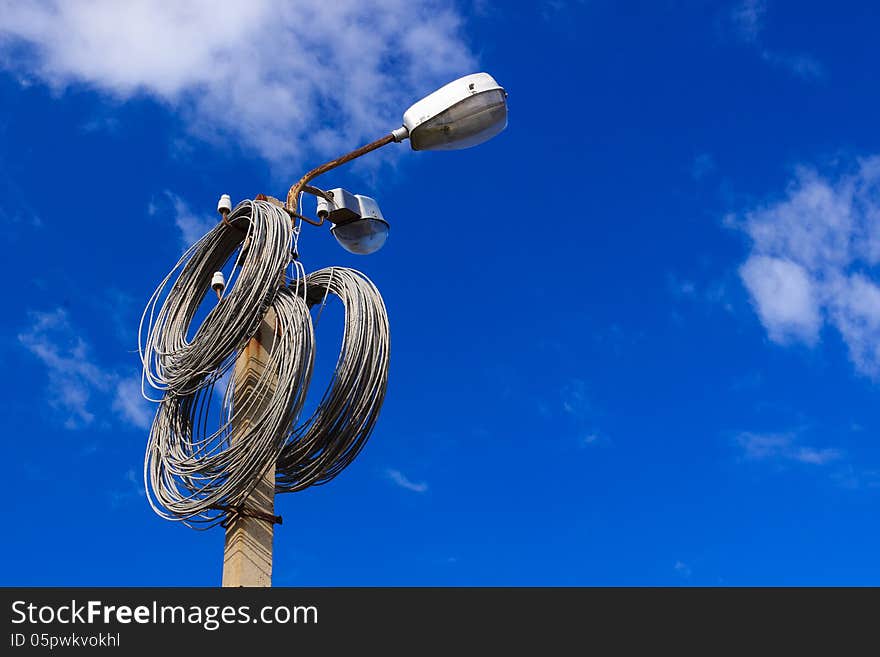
[465,124]
[363,237]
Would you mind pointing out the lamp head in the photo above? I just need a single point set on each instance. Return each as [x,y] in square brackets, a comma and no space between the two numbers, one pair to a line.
[461,114]
[359,226]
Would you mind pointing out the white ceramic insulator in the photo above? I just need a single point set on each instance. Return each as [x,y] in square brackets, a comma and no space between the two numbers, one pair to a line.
[224,204]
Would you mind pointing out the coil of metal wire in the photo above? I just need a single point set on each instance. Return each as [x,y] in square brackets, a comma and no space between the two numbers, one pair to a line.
[321,447]
[170,361]
[195,472]
[216,433]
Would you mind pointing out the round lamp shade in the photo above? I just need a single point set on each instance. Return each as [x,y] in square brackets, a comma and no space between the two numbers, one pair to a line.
[363,236]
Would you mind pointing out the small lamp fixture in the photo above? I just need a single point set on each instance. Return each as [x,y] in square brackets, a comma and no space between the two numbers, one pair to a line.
[358,224]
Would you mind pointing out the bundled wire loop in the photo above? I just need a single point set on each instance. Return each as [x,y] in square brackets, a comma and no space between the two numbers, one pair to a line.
[332,437]
[170,361]
[220,426]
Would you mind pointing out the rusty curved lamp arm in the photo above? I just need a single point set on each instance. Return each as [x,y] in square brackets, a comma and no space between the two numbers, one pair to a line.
[302,184]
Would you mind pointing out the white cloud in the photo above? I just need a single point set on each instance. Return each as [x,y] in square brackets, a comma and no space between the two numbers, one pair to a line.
[712,293]
[782,447]
[577,412]
[784,298]
[574,399]
[813,225]
[851,477]
[401,480]
[747,21]
[278,76]
[816,456]
[192,226]
[681,287]
[762,446]
[133,488]
[78,384]
[814,257]
[682,569]
[73,377]
[130,404]
[800,64]
[559,10]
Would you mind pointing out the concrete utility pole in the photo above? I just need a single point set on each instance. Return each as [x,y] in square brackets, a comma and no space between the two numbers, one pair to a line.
[247,555]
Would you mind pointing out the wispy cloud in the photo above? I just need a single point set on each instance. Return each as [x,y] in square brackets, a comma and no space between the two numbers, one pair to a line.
[682,569]
[592,438]
[73,377]
[192,226]
[277,76]
[783,447]
[78,384]
[103,123]
[123,313]
[813,260]
[22,213]
[575,402]
[400,479]
[800,64]
[129,404]
[816,456]
[853,478]
[681,287]
[133,488]
[574,408]
[711,293]
[553,10]
[747,20]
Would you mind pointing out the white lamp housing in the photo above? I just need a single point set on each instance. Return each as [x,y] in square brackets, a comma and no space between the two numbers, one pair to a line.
[359,226]
[343,208]
[461,114]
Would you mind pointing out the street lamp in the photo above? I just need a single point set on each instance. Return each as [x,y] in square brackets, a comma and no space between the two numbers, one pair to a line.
[266,325]
[461,114]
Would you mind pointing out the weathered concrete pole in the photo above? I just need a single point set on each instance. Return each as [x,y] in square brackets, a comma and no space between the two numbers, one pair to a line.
[247,555]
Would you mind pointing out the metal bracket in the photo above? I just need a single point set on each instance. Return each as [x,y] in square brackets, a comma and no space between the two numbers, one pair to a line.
[245,512]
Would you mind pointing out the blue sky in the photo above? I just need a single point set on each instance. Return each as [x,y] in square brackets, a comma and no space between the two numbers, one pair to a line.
[635,338]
